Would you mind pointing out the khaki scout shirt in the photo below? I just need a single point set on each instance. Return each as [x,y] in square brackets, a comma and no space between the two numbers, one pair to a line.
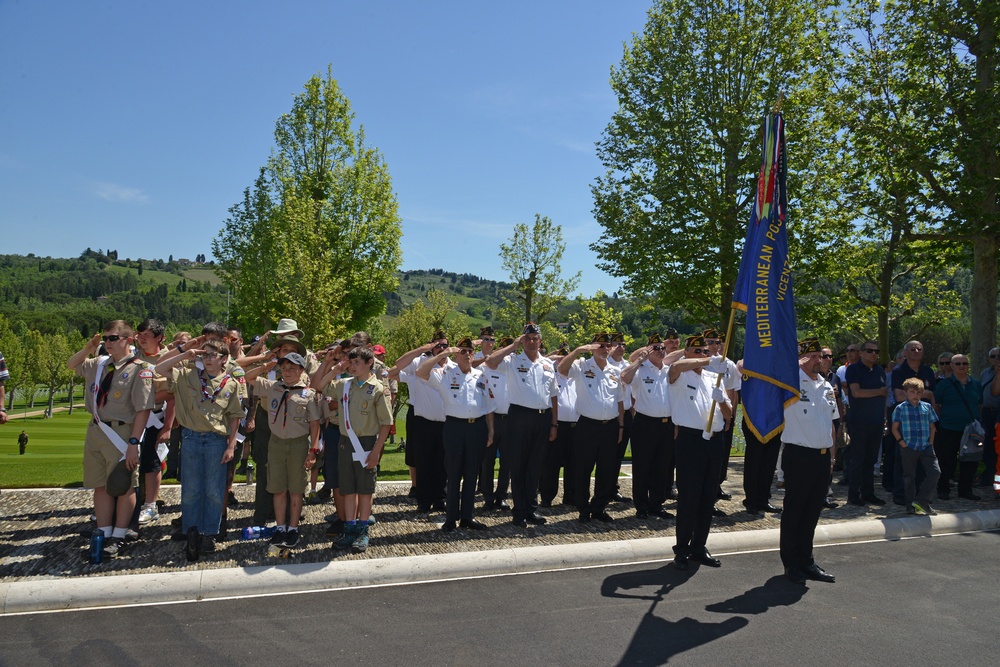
[159,382]
[381,372]
[369,404]
[288,418]
[131,389]
[204,415]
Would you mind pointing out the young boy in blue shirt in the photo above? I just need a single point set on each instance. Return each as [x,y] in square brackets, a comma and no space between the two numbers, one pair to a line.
[913,427]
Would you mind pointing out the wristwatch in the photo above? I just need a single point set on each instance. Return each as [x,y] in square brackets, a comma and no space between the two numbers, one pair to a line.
[133,441]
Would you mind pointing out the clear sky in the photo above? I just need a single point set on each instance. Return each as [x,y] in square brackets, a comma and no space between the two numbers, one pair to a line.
[136,125]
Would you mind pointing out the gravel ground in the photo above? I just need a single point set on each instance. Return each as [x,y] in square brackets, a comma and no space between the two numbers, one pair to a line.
[42,531]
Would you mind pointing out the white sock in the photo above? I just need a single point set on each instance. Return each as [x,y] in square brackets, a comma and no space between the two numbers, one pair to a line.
[119,532]
[106,529]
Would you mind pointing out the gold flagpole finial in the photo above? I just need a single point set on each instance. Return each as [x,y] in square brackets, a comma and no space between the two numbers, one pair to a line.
[781,100]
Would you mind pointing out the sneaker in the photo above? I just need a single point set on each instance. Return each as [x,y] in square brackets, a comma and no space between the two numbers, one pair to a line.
[193,544]
[371,519]
[278,539]
[360,543]
[292,537]
[112,547]
[232,501]
[346,538]
[208,544]
[131,535]
[335,528]
[148,513]
[918,509]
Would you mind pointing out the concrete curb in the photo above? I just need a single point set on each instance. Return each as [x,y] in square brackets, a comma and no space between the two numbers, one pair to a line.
[91,592]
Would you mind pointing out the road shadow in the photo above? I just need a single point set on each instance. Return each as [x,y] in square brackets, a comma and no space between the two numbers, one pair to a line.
[656,639]
[777,591]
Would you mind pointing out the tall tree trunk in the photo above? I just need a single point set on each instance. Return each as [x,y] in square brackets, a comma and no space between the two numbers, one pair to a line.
[983,300]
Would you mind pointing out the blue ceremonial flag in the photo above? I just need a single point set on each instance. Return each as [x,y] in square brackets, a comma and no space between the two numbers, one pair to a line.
[764,292]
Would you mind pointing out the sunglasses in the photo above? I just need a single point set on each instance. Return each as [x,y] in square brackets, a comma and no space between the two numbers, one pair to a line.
[875,350]
[488,340]
[657,348]
[712,342]
[826,356]
[992,356]
[701,350]
[112,338]
[960,363]
[466,350]
[440,346]
[944,363]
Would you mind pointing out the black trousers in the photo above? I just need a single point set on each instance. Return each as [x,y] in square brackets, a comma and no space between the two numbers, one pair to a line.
[431,475]
[464,442]
[263,502]
[698,463]
[727,437]
[559,455]
[807,479]
[623,445]
[989,422]
[596,447]
[890,462]
[412,440]
[865,441]
[528,430]
[487,465]
[652,451]
[759,464]
[946,446]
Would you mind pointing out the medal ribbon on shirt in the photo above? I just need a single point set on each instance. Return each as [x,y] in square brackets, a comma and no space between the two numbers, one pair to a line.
[205,395]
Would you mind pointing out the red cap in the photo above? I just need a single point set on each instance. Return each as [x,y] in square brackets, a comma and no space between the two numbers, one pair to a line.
[378,349]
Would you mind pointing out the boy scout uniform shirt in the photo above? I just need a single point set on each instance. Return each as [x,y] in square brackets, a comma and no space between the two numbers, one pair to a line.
[651,389]
[691,400]
[131,389]
[196,412]
[809,421]
[368,405]
[465,395]
[381,371]
[159,382]
[288,417]
[598,391]
[530,384]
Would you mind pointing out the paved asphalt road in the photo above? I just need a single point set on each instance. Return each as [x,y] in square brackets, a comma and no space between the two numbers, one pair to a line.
[929,601]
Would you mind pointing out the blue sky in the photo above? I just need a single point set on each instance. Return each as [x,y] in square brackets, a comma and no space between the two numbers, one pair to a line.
[136,125]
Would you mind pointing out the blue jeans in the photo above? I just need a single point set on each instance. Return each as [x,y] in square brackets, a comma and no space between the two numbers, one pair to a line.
[204,489]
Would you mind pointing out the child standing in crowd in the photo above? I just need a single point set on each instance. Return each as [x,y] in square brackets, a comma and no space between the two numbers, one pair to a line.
[913,428]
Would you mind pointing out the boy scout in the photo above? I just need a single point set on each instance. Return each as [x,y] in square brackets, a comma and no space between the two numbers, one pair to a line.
[119,396]
[365,418]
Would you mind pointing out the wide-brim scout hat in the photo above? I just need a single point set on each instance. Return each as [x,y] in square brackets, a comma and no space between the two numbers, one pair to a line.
[289,327]
[119,481]
[293,340]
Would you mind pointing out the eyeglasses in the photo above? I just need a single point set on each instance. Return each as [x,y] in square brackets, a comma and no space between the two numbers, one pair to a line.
[960,363]
[826,356]
[873,349]
[993,356]
[944,363]
[466,350]
[712,342]
[701,350]
[657,348]
[213,355]
[112,338]
[440,346]
[489,340]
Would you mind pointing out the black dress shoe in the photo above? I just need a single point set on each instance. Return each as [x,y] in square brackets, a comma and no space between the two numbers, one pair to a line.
[448,527]
[501,505]
[193,543]
[584,517]
[717,513]
[829,504]
[661,513]
[725,496]
[681,562]
[545,503]
[536,519]
[754,511]
[622,499]
[520,523]
[472,524]
[795,575]
[602,516]
[706,558]
[816,573]
[857,502]
[772,509]
[439,506]
[874,500]
[642,515]
[969,496]
[423,509]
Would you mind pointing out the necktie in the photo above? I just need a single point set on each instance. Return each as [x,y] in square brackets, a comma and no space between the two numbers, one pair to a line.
[102,391]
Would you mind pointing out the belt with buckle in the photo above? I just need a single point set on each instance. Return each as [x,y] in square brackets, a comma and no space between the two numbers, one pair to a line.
[464,420]
[662,420]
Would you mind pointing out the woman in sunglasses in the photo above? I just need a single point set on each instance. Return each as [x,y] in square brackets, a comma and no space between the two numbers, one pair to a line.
[207,405]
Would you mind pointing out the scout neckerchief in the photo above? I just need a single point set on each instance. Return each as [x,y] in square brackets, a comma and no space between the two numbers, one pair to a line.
[359,455]
[284,402]
[205,395]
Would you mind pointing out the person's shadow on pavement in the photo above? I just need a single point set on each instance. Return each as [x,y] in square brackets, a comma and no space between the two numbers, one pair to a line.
[775,592]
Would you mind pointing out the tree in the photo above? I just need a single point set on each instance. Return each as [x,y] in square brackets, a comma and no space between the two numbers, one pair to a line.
[328,194]
[533,259]
[54,372]
[595,316]
[14,357]
[682,150]
[947,61]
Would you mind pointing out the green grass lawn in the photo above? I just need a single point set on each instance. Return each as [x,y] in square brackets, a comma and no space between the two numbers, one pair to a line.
[55,452]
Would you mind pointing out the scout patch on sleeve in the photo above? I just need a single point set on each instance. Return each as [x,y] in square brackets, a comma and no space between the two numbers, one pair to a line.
[237,373]
[146,374]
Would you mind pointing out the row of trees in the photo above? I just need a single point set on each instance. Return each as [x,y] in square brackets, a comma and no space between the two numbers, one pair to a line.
[35,359]
[893,113]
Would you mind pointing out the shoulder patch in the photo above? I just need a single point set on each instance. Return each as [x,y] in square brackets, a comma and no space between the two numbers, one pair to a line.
[145,374]
[137,360]
[238,373]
